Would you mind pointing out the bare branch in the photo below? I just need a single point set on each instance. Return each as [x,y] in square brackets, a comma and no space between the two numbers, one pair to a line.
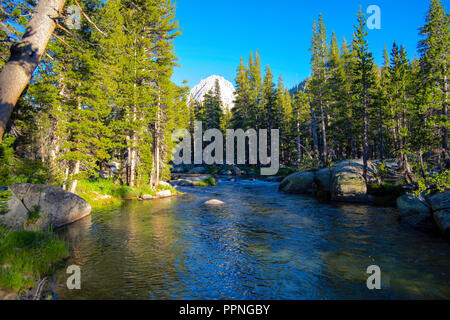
[75,36]
[88,19]
[64,42]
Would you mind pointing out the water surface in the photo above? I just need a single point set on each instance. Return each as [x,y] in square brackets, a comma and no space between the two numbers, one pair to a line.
[261,244]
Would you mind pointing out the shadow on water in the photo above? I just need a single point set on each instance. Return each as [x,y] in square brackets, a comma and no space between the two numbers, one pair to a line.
[260,245]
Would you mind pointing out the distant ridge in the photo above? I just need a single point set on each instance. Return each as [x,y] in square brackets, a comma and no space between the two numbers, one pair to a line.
[299,87]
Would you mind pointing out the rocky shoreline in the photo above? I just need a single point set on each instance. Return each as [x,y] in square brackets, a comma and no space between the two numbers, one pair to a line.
[344,182]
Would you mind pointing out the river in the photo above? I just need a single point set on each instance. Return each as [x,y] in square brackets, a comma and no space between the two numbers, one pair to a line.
[261,244]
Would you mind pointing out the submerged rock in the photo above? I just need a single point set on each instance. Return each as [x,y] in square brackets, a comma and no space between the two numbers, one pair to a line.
[40,207]
[414,211]
[299,182]
[274,179]
[214,202]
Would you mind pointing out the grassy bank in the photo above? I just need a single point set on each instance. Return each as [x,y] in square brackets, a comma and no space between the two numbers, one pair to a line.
[104,192]
[26,256]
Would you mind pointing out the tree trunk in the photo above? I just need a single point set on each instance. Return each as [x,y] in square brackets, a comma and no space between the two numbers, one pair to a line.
[156,156]
[132,161]
[299,145]
[365,135]
[380,119]
[324,136]
[314,133]
[445,113]
[74,182]
[25,57]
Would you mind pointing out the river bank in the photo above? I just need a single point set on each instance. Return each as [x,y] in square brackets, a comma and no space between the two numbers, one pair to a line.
[105,192]
[27,258]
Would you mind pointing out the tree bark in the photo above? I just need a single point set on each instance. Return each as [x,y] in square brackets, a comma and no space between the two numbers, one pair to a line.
[74,182]
[25,57]
[314,133]
[445,113]
[324,135]
[365,134]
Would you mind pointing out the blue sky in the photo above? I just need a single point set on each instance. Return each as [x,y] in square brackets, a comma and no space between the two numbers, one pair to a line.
[216,33]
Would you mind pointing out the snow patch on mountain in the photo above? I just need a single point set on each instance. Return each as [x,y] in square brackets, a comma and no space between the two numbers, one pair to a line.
[227,91]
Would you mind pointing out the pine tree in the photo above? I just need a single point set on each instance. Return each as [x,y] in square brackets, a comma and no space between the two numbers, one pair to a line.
[212,104]
[434,63]
[284,110]
[271,116]
[240,111]
[317,86]
[299,123]
[255,87]
[364,82]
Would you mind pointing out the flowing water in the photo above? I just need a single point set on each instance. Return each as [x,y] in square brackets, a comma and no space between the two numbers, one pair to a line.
[261,244]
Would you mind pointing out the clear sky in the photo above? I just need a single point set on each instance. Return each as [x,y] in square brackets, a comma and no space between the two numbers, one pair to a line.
[216,33]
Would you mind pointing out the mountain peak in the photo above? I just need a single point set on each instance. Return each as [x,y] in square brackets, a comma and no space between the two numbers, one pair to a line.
[227,91]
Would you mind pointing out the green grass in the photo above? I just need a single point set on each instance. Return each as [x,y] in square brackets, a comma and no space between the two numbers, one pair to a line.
[104,192]
[206,183]
[25,256]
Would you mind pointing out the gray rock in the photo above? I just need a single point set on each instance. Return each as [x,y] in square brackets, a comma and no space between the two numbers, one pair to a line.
[164,194]
[440,201]
[442,219]
[165,184]
[347,181]
[185,183]
[214,202]
[146,197]
[235,171]
[414,211]
[56,207]
[198,170]
[299,182]
[17,215]
[440,204]
[323,180]
[189,181]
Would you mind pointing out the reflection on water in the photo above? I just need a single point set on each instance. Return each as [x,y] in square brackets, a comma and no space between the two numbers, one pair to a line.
[260,245]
